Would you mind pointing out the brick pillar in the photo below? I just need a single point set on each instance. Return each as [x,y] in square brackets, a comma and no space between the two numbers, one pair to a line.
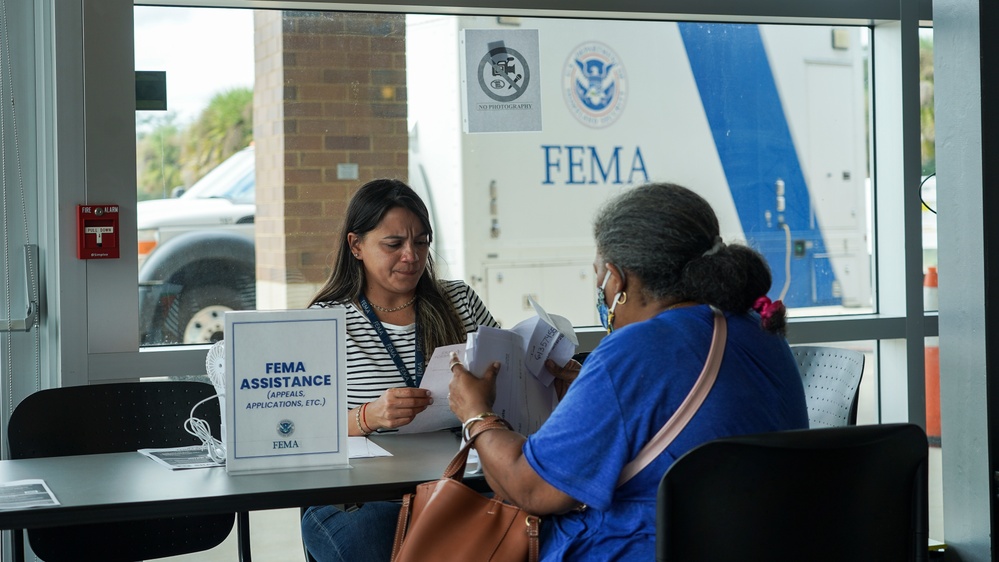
[329,97]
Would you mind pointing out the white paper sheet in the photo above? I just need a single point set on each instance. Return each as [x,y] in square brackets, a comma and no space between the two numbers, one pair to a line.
[194,456]
[524,395]
[18,494]
[546,337]
[362,448]
[436,378]
[561,323]
[180,458]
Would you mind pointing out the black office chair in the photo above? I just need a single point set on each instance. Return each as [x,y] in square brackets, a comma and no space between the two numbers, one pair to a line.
[850,493]
[111,418]
[831,376]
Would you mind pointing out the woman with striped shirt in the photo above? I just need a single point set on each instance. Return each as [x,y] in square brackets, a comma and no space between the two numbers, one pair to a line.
[398,312]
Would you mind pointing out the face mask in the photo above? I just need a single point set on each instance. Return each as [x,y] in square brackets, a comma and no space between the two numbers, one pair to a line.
[606,315]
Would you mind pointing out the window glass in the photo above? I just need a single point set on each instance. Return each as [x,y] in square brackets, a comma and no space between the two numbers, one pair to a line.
[931,350]
[932,357]
[869,412]
[928,187]
[514,131]
[196,173]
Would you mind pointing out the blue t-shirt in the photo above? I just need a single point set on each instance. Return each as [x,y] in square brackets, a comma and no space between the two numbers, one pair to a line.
[628,387]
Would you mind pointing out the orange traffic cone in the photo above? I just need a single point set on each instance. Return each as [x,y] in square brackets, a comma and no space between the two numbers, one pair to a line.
[932,359]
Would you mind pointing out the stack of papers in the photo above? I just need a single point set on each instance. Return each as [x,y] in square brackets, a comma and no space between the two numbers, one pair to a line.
[19,494]
[524,393]
[176,458]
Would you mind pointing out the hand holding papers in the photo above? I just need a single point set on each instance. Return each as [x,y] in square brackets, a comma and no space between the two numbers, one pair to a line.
[524,392]
[524,395]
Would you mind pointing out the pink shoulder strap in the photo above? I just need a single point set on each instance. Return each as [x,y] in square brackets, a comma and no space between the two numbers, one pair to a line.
[687,408]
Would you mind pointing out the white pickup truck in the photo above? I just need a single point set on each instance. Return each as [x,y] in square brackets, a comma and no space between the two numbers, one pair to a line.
[196,255]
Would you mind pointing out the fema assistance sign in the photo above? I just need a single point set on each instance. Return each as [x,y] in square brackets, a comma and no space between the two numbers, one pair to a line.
[286,390]
[501,80]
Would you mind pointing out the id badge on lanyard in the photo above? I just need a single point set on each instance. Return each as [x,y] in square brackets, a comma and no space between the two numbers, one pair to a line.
[412,381]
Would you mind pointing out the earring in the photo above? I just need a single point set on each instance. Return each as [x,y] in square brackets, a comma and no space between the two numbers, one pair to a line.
[623,298]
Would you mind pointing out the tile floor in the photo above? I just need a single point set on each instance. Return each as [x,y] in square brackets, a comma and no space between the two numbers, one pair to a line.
[274,537]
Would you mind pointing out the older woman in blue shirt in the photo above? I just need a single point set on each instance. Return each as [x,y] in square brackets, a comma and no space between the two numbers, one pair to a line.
[661,266]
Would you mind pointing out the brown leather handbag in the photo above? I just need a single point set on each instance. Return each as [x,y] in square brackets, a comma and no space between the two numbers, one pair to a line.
[447,520]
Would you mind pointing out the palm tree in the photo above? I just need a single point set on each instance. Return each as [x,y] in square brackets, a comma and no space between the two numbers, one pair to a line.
[168,156]
[158,158]
[224,127]
[927,129]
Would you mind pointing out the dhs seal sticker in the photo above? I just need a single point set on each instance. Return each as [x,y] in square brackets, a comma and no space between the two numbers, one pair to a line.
[594,84]
[285,428]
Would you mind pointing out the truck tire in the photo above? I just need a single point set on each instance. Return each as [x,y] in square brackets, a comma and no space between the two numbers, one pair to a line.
[198,315]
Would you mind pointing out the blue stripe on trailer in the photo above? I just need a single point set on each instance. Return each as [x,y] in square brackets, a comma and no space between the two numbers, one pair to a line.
[751,133]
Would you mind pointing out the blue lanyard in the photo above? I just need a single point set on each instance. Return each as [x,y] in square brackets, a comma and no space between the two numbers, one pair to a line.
[411,381]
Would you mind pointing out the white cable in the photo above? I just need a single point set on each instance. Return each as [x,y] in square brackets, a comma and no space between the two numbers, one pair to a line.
[215,369]
[787,262]
[5,71]
[200,429]
[7,85]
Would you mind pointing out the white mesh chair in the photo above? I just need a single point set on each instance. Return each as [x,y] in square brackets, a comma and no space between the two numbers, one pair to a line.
[831,377]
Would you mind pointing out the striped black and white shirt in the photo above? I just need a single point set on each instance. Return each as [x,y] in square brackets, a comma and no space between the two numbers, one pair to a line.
[370,369]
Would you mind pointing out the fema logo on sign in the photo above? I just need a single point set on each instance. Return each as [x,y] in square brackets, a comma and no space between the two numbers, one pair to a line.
[594,84]
[285,428]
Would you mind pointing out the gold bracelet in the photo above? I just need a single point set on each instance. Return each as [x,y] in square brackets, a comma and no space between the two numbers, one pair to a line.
[468,423]
[357,418]
[496,423]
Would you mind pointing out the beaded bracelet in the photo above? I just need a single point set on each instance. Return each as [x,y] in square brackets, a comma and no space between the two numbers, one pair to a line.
[357,418]
[364,418]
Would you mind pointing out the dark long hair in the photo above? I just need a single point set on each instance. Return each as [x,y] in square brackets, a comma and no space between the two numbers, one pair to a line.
[439,321]
[661,232]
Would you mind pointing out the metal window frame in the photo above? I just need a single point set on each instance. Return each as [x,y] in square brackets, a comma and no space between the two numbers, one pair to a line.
[96,150]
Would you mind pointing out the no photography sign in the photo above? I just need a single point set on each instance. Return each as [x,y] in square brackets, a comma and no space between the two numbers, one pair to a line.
[501,81]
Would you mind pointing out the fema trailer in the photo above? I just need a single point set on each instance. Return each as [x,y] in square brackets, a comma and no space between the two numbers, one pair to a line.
[766,122]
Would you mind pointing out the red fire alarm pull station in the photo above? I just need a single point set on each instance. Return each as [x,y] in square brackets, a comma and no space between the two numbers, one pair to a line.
[97,234]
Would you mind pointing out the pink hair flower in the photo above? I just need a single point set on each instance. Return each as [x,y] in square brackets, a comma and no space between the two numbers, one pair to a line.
[768,309]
